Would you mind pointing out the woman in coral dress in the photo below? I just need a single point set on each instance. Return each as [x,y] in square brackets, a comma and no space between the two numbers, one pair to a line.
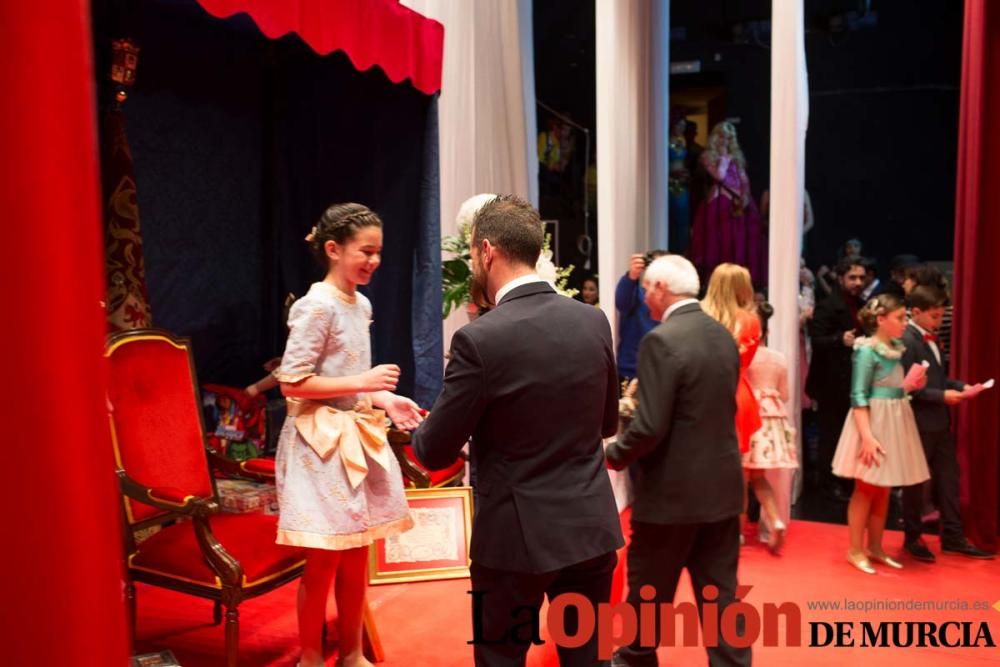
[730,300]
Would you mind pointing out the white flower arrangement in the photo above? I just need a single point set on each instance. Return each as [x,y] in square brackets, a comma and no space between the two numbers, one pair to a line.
[456,270]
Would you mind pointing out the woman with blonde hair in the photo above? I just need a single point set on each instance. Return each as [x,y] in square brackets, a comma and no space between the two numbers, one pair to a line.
[727,225]
[730,300]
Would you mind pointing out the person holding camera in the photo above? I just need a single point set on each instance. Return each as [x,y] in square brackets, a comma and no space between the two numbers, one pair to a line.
[634,321]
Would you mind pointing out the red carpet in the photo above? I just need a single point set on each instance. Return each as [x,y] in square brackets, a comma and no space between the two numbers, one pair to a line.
[428,624]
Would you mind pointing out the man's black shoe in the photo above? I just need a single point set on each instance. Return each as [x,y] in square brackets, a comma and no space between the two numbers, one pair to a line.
[919,550]
[965,548]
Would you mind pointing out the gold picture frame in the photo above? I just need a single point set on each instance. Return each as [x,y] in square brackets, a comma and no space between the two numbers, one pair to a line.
[437,547]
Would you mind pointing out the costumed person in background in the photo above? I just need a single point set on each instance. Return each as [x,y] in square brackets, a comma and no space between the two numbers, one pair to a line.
[589,292]
[696,173]
[730,300]
[339,485]
[679,200]
[773,446]
[727,225]
[880,446]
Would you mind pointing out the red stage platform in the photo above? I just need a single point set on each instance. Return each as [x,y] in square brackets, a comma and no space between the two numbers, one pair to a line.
[428,624]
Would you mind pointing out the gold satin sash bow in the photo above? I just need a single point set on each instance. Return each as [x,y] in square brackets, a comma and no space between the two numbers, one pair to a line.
[351,432]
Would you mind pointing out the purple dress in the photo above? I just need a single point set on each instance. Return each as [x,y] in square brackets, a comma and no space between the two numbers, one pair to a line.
[720,235]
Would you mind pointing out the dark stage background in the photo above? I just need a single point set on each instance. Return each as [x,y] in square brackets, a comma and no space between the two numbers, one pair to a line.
[883,128]
[239,144]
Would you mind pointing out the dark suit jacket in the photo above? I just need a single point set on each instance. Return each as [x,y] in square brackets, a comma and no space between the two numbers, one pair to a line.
[684,431]
[928,404]
[830,368]
[534,383]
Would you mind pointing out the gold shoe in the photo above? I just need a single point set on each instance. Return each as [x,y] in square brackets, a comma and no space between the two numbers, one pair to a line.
[885,560]
[861,562]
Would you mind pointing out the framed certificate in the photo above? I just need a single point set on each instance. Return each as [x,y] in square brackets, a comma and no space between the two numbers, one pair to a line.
[437,547]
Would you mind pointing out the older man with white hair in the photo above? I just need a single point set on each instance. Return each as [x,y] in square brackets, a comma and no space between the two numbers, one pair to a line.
[689,492]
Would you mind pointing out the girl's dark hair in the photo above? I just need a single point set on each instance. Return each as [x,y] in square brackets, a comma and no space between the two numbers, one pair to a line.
[764,312]
[877,306]
[340,223]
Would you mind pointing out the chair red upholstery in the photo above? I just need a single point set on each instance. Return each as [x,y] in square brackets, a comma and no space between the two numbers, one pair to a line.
[164,472]
[173,552]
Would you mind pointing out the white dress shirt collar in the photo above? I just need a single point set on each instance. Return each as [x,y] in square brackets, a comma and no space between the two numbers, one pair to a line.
[515,283]
[680,304]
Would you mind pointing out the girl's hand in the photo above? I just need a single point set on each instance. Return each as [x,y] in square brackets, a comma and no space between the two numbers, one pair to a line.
[384,377]
[916,378]
[870,451]
[403,412]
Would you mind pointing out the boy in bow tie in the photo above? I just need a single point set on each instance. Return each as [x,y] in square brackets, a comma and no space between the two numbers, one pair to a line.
[931,409]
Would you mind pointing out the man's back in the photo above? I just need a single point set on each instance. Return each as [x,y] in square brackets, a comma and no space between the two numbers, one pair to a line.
[541,391]
[830,369]
[690,470]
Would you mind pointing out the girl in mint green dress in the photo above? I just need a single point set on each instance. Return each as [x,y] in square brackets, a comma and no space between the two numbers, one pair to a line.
[879,446]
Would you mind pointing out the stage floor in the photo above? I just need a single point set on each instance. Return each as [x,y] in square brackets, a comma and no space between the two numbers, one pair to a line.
[428,624]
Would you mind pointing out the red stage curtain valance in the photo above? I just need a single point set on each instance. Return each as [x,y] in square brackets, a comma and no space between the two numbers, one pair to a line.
[403,43]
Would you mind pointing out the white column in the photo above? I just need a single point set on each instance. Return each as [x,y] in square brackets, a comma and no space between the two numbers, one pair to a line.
[623,139]
[789,118]
[486,111]
[659,177]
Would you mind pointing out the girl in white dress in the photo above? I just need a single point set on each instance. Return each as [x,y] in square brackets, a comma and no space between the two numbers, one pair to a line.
[339,485]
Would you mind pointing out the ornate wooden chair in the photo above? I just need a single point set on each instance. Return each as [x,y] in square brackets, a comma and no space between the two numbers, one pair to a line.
[166,473]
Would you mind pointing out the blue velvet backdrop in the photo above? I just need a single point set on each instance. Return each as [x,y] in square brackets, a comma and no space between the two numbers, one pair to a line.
[239,144]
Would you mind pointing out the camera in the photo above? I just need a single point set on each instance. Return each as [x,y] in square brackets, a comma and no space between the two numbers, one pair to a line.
[648,258]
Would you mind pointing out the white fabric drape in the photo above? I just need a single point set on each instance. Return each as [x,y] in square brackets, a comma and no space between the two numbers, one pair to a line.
[486,112]
[789,118]
[633,110]
[626,155]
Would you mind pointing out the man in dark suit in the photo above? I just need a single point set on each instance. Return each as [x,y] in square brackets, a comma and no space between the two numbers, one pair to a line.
[690,484]
[931,409]
[832,330]
[533,381]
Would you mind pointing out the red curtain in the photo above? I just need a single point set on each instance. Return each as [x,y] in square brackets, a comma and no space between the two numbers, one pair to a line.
[977,280]
[405,44]
[62,553]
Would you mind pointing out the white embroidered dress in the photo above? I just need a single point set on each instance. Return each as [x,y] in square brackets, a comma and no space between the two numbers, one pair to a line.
[319,506]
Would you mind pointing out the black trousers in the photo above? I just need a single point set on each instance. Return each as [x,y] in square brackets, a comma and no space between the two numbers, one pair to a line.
[504,595]
[830,420]
[656,556]
[942,459]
